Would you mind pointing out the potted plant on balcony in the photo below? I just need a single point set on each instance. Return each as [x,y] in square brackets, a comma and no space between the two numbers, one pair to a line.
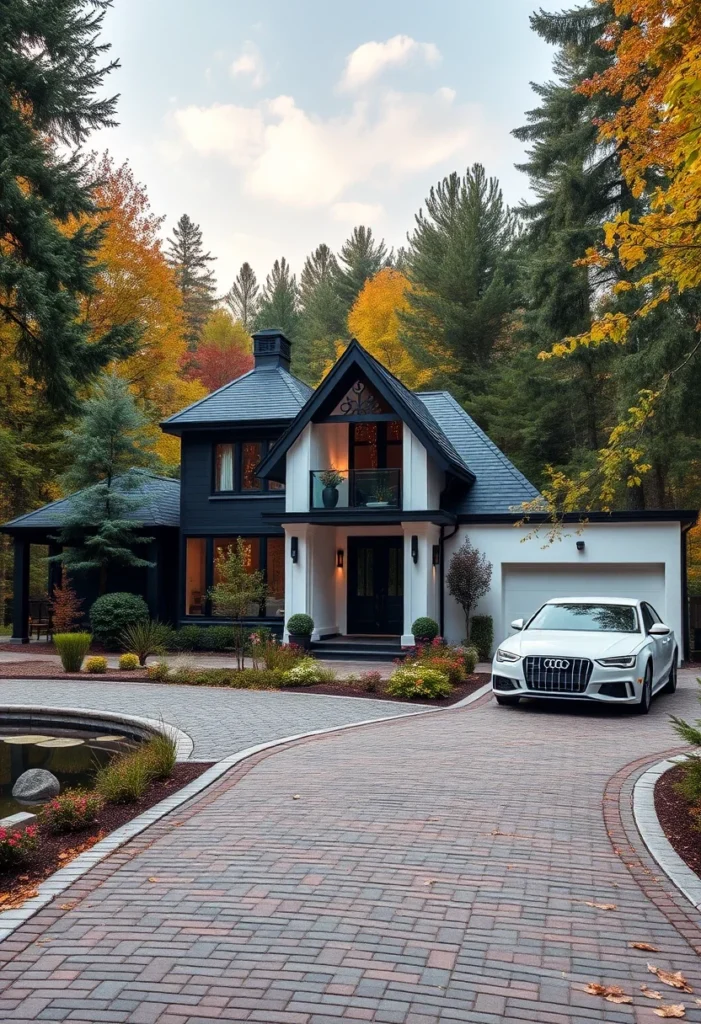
[330,478]
[382,494]
[299,628]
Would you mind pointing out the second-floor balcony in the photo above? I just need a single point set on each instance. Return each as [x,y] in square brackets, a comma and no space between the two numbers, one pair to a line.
[356,488]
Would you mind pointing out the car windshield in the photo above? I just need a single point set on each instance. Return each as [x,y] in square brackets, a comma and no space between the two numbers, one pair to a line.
[587,618]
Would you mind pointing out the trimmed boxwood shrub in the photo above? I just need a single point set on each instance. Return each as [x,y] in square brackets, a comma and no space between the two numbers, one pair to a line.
[300,625]
[424,629]
[217,638]
[187,638]
[112,613]
[482,635]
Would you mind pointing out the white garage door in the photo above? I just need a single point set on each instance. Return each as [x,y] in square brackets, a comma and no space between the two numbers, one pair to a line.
[527,587]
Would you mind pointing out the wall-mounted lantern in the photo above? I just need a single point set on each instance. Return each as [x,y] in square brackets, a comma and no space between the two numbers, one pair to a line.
[414,549]
[436,554]
[294,548]
[580,545]
[339,558]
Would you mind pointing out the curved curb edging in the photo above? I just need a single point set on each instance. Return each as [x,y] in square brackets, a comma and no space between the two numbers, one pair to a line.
[686,880]
[57,883]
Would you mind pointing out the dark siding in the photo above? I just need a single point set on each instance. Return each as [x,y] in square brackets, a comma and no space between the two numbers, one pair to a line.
[222,516]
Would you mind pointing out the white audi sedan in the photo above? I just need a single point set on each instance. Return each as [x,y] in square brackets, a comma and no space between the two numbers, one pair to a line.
[613,650]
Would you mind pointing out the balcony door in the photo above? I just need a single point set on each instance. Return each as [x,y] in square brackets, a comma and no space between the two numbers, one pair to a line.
[376,585]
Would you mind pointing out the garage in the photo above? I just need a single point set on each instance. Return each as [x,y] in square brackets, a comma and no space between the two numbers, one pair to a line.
[527,587]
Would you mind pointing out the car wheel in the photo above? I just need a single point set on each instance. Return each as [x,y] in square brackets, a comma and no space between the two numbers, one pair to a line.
[646,696]
[508,702]
[671,683]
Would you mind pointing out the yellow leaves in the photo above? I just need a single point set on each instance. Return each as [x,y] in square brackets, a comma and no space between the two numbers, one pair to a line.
[675,979]
[374,321]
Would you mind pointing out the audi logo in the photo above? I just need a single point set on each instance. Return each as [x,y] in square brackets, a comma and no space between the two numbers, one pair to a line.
[556,663]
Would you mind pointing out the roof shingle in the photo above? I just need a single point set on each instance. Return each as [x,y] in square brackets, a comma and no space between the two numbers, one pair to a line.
[262,394]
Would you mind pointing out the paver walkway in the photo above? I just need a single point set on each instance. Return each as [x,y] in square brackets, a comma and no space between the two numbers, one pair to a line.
[433,869]
[219,721]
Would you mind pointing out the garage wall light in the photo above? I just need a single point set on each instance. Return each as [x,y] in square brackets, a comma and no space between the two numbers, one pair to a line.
[414,549]
[436,554]
[580,545]
[294,548]
[339,558]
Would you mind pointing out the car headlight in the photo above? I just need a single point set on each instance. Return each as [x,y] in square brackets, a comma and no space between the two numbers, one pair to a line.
[627,661]
[507,656]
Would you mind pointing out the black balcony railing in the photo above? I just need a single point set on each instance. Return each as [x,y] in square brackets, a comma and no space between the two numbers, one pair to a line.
[356,488]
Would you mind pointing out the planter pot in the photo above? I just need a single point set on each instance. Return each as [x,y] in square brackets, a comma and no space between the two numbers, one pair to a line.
[302,640]
[329,496]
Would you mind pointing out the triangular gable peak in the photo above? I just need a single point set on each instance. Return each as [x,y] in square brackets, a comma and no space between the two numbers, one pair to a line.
[382,397]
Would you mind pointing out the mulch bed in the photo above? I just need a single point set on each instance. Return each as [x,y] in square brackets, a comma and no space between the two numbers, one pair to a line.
[49,670]
[678,824]
[55,851]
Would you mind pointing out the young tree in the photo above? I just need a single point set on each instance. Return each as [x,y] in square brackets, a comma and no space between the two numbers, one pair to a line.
[374,321]
[243,297]
[463,294]
[279,305]
[322,321]
[66,611]
[237,587]
[194,278]
[469,578]
[360,257]
[51,98]
[110,441]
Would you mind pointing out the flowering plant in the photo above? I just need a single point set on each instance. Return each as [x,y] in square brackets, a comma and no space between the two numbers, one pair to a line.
[15,847]
[70,811]
[307,672]
[418,681]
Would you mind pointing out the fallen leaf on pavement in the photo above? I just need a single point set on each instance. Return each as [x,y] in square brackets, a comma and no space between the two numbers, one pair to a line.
[152,878]
[671,1010]
[67,906]
[296,796]
[600,906]
[612,993]
[644,945]
[650,993]
[675,979]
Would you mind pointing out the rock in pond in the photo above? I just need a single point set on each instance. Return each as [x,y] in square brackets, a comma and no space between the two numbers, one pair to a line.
[35,786]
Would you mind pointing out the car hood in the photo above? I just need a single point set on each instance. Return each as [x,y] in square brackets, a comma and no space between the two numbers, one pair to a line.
[572,643]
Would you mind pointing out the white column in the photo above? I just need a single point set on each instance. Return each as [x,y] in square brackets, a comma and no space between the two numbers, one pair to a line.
[420,576]
[298,575]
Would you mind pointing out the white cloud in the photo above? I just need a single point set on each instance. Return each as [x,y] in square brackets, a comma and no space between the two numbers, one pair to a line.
[369,60]
[297,159]
[249,64]
[357,213]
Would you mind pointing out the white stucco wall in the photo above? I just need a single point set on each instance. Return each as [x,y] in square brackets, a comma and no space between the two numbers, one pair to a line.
[298,465]
[610,549]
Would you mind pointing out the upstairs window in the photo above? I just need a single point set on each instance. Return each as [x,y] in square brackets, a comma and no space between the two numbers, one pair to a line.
[235,466]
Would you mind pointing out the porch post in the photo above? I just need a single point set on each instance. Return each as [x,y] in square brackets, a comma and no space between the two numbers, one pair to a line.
[20,593]
[297,573]
[152,573]
[420,576]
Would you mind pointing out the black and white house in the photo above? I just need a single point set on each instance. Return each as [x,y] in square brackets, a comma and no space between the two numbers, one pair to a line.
[351,499]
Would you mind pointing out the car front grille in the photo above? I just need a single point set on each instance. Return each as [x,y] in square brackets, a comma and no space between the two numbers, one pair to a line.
[558,674]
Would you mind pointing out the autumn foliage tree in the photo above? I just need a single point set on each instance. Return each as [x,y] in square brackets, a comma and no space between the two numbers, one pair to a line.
[224,353]
[468,578]
[66,612]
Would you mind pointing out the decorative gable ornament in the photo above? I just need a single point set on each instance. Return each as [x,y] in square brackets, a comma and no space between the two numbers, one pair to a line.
[359,401]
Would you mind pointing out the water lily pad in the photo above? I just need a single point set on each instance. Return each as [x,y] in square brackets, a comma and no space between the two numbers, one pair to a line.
[108,739]
[62,741]
[26,740]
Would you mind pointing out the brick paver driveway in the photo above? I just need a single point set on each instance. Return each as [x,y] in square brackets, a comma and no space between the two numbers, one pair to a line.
[219,721]
[433,869]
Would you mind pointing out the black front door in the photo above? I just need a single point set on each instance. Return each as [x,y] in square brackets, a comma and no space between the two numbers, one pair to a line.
[376,585]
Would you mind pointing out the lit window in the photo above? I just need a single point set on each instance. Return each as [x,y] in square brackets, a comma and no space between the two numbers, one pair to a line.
[224,467]
[195,575]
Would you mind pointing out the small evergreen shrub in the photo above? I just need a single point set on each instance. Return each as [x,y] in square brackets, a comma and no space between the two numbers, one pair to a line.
[482,635]
[308,672]
[424,629]
[417,682]
[70,811]
[72,648]
[217,638]
[470,656]
[300,625]
[689,786]
[188,638]
[128,662]
[158,672]
[111,614]
[96,666]
[15,847]
[144,638]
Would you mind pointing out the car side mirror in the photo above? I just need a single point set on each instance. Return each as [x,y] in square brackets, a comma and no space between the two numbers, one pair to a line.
[659,629]
[517,624]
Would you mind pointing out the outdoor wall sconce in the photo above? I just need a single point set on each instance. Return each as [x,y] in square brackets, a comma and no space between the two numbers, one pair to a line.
[414,549]
[436,554]
[294,548]
[339,558]
[580,545]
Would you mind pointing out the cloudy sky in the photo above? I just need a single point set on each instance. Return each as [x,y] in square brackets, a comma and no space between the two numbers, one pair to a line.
[281,124]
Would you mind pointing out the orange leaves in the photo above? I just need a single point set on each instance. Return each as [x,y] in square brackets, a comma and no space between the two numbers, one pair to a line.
[611,993]
[677,1010]
[675,979]
[643,945]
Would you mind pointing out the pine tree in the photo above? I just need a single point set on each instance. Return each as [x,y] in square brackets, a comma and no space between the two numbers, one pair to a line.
[51,98]
[360,257]
[459,264]
[106,448]
[243,297]
[279,305]
[195,280]
[322,320]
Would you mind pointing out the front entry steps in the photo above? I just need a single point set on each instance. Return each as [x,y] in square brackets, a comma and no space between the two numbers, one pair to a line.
[360,647]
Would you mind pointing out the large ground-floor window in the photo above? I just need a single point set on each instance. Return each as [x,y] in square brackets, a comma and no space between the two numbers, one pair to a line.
[266,554]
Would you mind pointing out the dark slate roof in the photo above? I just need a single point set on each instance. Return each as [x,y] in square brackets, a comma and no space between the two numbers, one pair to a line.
[499,487]
[262,394]
[160,507]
